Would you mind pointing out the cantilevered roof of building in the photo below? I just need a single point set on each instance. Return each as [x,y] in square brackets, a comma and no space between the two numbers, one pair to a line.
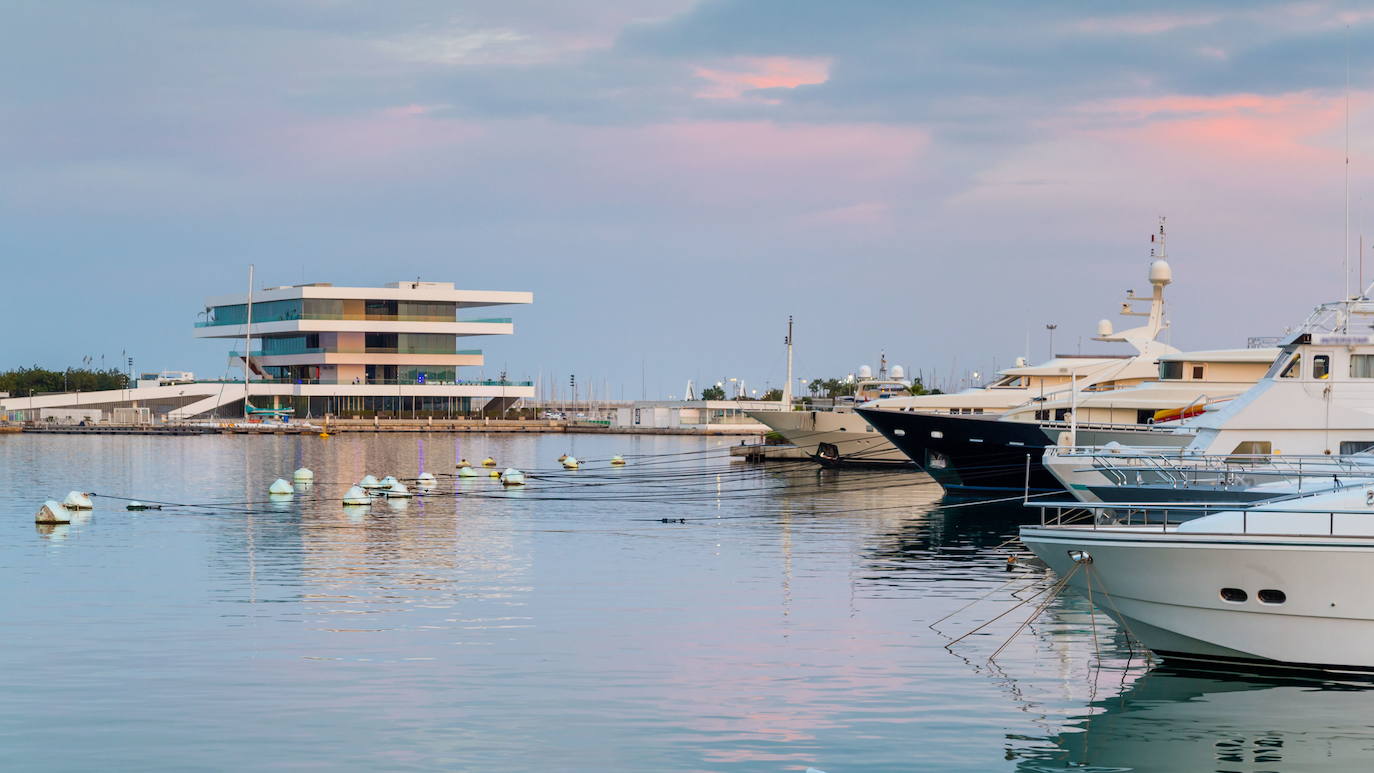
[395,291]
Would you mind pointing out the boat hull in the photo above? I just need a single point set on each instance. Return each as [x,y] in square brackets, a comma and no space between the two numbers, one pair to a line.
[1165,588]
[834,438]
[969,455]
[980,454]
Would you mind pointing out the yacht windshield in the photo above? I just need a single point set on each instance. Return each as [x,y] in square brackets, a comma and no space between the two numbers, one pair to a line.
[1294,367]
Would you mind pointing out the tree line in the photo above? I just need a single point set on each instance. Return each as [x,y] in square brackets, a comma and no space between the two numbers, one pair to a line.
[35,380]
[821,387]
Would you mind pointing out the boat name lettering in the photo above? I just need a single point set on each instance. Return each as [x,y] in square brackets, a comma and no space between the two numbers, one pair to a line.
[1341,339]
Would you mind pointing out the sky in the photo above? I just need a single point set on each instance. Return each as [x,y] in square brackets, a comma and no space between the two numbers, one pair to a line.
[673,178]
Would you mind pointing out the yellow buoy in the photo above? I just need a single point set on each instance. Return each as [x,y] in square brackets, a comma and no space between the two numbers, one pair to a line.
[324,434]
[617,460]
[494,474]
[562,457]
[464,463]
[488,462]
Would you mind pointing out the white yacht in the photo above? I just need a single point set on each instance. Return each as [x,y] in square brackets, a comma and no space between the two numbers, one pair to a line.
[838,437]
[1134,400]
[849,438]
[1317,399]
[1274,586]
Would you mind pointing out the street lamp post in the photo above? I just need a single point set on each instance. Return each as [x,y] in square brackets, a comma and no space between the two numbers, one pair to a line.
[1051,327]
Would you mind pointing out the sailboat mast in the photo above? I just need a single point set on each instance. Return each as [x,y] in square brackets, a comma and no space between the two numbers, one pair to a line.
[787,385]
[247,340]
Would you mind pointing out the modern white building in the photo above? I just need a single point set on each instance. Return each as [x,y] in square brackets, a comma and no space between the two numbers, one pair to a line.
[320,349]
[695,414]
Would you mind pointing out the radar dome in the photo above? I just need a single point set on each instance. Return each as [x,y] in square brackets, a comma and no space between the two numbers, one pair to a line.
[1020,362]
[865,372]
[1160,273]
[898,372]
[1104,327]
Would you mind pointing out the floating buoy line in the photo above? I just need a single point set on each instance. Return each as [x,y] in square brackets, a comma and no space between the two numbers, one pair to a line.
[698,478]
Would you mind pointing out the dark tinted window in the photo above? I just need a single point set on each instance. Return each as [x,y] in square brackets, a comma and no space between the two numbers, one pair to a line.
[1234,594]
[1271,596]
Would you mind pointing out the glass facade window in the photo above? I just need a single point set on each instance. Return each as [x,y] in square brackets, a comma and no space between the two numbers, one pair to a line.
[324,308]
[1170,370]
[411,343]
[271,311]
[447,310]
[334,308]
[303,344]
[411,374]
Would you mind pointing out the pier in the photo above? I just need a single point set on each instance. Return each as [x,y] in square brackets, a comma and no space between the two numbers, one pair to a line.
[335,426]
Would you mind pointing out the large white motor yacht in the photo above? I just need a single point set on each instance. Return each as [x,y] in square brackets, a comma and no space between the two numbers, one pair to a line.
[849,438]
[1274,586]
[1317,399]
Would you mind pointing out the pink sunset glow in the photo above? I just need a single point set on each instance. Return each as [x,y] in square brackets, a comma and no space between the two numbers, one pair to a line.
[1284,126]
[747,74]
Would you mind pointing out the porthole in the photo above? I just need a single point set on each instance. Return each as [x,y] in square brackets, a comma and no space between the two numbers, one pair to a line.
[1271,596]
[1234,595]
[899,432]
[935,433]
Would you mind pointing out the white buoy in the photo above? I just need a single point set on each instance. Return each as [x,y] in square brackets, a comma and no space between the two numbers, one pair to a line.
[280,487]
[52,511]
[77,501]
[571,463]
[356,496]
[466,472]
[398,490]
[303,475]
[512,477]
[369,482]
[617,461]
[426,481]
[387,482]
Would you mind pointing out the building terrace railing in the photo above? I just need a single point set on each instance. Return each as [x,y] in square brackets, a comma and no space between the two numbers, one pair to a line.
[357,318]
[357,350]
[367,382]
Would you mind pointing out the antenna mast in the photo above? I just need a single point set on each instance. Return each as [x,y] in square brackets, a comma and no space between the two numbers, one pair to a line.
[1345,278]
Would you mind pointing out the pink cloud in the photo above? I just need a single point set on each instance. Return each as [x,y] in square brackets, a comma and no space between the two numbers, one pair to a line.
[746,74]
[1284,126]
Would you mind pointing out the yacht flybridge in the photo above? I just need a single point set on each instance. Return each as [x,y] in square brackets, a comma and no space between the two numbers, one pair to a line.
[1316,400]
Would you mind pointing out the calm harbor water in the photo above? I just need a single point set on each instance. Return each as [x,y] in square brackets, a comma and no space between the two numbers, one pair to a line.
[565,627]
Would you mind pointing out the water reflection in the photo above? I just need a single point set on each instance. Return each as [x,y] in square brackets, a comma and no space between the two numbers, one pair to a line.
[781,624]
[1171,720]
